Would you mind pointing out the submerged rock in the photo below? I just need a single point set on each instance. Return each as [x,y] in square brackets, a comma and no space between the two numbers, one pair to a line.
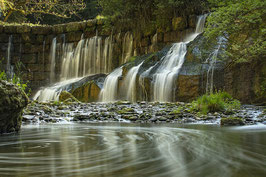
[12,102]
[232,121]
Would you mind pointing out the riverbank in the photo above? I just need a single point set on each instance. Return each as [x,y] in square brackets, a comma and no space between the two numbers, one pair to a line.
[141,112]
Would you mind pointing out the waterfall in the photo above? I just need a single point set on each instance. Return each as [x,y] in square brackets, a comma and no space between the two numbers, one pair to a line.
[110,86]
[130,83]
[142,82]
[167,73]
[9,68]
[52,93]
[89,56]
[52,59]
[212,59]
[127,47]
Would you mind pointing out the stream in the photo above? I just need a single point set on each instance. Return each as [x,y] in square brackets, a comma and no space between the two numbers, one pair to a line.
[132,149]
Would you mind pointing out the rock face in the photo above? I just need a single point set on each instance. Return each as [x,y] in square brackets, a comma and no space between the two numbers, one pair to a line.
[89,92]
[12,102]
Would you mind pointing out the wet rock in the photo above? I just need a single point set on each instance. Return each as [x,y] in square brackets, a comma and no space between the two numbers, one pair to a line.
[89,92]
[67,97]
[232,121]
[12,102]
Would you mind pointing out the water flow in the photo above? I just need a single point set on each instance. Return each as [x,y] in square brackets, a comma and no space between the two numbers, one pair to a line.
[127,48]
[130,83]
[90,56]
[52,93]
[110,86]
[167,73]
[212,61]
[9,69]
[142,83]
[52,59]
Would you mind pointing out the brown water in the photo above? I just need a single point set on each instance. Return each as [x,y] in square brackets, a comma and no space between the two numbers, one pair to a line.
[131,150]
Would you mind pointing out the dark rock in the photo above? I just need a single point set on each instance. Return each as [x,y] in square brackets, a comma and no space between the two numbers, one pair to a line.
[12,102]
[232,121]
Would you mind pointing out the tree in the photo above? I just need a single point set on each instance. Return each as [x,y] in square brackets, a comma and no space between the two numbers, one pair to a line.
[60,8]
[242,23]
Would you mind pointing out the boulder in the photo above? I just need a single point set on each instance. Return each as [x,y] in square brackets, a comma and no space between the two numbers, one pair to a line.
[12,102]
[89,92]
[66,96]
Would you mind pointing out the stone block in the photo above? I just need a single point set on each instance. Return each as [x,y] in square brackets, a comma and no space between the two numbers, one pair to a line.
[29,58]
[179,23]
[10,29]
[28,38]
[172,37]
[188,87]
[4,38]
[41,30]
[31,48]
[35,67]
[73,36]
[59,29]
[23,29]
[72,27]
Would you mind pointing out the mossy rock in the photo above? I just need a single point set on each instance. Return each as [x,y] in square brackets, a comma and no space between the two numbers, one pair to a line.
[89,92]
[178,23]
[126,111]
[66,96]
[232,121]
[12,102]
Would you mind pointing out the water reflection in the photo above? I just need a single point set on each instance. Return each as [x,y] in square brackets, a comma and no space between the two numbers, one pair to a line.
[104,150]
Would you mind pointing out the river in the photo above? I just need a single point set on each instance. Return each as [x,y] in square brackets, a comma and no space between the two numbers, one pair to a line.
[134,150]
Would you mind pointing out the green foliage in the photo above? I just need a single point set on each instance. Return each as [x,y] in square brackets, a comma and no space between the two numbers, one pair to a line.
[216,102]
[242,23]
[153,13]
[16,78]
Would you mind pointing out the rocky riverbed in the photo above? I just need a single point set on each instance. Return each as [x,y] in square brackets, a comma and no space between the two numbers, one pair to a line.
[141,112]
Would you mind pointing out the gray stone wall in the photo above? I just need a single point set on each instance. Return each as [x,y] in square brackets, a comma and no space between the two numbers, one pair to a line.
[31,44]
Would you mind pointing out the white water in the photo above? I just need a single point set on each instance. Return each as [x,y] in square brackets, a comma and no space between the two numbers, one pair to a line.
[90,56]
[52,93]
[127,48]
[130,83]
[9,68]
[172,63]
[52,59]
[212,61]
[110,86]
[142,82]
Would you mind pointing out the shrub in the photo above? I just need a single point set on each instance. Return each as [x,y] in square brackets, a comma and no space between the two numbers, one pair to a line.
[215,102]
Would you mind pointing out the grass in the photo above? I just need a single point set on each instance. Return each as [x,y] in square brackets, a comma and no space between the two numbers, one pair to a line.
[216,102]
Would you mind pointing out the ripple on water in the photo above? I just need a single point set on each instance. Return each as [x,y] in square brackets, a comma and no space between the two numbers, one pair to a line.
[128,150]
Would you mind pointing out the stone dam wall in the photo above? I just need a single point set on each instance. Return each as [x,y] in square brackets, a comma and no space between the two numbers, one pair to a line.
[31,45]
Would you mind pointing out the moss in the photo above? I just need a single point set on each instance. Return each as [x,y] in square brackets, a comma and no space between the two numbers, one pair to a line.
[64,95]
[126,111]
[232,121]
[89,92]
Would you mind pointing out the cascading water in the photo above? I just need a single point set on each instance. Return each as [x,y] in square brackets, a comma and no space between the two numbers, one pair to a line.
[130,83]
[9,68]
[212,60]
[86,58]
[90,56]
[110,87]
[142,83]
[127,48]
[171,65]
[52,59]
[52,93]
